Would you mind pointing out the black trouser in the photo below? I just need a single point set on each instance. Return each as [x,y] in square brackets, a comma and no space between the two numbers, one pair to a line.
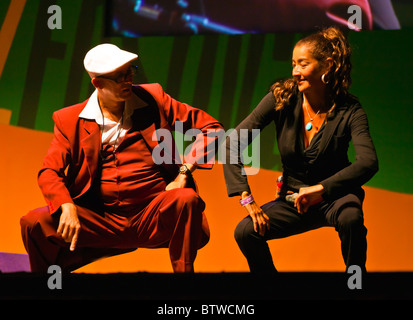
[345,214]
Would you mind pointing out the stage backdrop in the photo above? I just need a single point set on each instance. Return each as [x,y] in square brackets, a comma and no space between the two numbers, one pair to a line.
[41,70]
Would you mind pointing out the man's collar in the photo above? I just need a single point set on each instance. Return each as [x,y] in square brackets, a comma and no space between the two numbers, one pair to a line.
[92,109]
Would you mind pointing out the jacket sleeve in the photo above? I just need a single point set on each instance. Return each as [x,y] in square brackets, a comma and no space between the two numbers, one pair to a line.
[366,163]
[239,139]
[195,123]
[52,177]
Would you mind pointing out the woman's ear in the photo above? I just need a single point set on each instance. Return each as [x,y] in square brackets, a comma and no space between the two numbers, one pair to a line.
[329,64]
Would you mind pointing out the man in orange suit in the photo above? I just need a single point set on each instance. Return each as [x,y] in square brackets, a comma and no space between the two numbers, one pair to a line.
[105,192]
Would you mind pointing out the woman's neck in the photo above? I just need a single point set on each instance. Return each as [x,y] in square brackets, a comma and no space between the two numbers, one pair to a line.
[316,101]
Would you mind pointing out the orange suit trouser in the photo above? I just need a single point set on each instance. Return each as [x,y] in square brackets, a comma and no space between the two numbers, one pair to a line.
[173,219]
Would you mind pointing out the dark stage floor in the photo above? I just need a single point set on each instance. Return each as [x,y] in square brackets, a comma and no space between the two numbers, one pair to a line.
[200,286]
[205,293]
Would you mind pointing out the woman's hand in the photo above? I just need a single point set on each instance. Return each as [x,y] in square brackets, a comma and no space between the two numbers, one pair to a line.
[308,196]
[259,218]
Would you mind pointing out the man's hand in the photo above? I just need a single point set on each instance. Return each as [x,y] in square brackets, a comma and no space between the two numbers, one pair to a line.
[69,225]
[308,196]
[259,218]
[181,180]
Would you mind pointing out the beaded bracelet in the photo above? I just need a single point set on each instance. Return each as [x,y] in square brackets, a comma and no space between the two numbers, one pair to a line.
[247,200]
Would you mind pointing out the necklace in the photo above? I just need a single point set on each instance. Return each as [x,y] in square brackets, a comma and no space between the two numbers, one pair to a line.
[119,130]
[309,124]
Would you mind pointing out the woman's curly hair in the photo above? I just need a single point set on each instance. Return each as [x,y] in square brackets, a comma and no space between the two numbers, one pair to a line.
[327,43]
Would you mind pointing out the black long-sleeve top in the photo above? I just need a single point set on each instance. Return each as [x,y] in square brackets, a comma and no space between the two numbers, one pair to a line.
[324,161]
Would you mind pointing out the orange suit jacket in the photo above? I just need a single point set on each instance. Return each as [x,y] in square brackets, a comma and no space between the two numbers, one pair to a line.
[72,160]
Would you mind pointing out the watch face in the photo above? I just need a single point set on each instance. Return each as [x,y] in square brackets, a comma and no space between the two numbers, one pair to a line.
[183,169]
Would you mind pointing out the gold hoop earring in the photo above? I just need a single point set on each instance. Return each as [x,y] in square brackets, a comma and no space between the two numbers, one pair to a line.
[323,79]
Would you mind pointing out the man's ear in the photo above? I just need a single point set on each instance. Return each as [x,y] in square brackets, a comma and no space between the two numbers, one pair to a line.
[97,83]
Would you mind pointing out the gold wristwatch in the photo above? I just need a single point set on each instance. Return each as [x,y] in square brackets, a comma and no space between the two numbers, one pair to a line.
[184,170]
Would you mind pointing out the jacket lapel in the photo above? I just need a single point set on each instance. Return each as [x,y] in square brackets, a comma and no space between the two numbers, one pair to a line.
[331,125]
[91,144]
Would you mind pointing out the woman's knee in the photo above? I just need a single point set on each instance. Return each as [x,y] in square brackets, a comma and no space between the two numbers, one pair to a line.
[244,230]
[350,218]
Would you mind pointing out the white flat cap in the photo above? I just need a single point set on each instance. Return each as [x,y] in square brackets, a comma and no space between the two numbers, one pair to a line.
[106,58]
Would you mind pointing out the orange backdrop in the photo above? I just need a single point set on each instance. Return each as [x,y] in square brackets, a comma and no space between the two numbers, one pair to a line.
[388,217]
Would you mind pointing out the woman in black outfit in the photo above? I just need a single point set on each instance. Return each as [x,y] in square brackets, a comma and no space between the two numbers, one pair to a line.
[315,118]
